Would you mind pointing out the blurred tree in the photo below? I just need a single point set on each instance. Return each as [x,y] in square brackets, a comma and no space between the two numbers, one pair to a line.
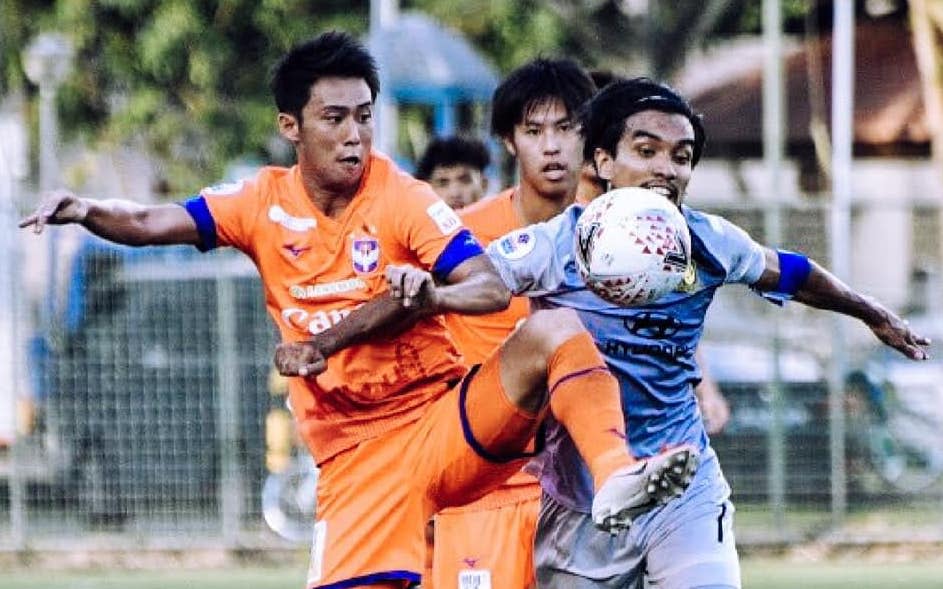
[184,79]
[187,79]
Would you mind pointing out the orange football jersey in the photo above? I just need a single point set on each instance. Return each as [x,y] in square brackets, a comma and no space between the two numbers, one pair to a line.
[477,336]
[316,270]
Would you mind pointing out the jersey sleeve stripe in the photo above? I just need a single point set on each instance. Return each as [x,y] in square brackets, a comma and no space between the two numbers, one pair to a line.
[205,224]
[462,247]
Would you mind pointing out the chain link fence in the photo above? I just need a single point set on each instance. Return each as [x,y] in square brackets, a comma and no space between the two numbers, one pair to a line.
[146,416]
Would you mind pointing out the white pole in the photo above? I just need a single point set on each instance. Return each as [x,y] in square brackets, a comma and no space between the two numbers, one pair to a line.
[773,116]
[383,15]
[843,67]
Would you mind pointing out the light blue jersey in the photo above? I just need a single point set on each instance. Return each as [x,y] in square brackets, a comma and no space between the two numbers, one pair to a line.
[650,348]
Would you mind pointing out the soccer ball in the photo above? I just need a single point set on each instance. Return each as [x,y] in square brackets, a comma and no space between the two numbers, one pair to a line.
[632,246]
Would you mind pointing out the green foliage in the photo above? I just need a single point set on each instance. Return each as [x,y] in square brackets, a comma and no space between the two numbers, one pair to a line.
[187,79]
[508,32]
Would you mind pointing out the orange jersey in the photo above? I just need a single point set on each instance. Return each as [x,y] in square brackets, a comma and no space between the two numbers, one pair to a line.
[316,270]
[477,336]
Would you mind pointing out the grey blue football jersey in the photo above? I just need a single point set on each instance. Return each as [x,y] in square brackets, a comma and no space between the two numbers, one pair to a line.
[649,348]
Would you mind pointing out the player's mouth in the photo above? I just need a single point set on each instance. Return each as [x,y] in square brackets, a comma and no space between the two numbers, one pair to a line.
[351,160]
[554,171]
[668,192]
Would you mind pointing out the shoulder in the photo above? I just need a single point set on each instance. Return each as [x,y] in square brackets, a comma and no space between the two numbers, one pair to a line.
[709,227]
[384,175]
[493,215]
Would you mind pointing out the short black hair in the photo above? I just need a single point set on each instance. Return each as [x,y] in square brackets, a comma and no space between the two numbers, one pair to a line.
[452,151]
[331,54]
[603,117]
[534,84]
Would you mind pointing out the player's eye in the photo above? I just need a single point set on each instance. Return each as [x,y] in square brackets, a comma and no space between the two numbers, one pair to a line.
[366,116]
[533,131]
[565,127]
[683,158]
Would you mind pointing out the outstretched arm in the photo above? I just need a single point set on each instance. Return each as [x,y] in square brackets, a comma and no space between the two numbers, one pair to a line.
[473,287]
[823,290]
[120,221]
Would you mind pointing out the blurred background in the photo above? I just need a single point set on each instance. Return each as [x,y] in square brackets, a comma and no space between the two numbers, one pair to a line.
[137,408]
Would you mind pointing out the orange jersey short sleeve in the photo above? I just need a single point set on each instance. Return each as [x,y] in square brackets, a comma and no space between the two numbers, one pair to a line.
[316,270]
[477,336]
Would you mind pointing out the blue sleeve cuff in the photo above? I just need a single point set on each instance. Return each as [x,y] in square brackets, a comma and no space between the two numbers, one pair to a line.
[794,270]
[205,225]
[462,247]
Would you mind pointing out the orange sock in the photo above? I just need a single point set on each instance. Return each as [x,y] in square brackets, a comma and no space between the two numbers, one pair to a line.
[585,398]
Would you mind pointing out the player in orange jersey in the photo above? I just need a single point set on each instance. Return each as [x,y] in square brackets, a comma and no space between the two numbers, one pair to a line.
[455,168]
[533,112]
[358,260]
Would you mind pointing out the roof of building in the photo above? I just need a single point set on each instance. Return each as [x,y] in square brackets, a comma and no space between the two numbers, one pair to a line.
[889,115]
[425,61]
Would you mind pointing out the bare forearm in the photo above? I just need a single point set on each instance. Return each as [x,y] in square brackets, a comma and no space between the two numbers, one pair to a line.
[480,294]
[119,221]
[824,290]
[381,317]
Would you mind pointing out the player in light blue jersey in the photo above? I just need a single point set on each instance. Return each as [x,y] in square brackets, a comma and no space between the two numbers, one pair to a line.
[642,133]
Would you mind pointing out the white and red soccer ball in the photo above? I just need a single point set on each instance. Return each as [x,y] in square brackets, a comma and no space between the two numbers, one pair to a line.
[632,246]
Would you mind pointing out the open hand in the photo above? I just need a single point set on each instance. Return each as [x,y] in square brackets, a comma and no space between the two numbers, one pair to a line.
[896,333]
[58,207]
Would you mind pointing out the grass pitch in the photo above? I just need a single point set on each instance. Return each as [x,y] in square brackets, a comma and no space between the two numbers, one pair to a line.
[757,574]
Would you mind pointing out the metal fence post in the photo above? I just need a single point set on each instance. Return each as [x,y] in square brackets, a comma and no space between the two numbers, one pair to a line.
[227,370]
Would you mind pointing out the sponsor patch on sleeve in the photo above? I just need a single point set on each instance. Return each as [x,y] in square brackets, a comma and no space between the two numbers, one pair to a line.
[517,244]
[224,188]
[445,218]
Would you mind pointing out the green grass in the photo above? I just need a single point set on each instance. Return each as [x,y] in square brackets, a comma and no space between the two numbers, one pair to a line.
[777,574]
[757,574]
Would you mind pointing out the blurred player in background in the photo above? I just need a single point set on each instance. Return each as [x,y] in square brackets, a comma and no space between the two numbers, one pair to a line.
[534,113]
[357,261]
[455,168]
[641,133]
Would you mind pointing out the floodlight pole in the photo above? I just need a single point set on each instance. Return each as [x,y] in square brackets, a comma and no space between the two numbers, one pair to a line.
[383,15]
[843,67]
[773,115]
[47,60]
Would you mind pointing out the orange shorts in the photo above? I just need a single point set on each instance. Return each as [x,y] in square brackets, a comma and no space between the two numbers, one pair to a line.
[491,547]
[374,499]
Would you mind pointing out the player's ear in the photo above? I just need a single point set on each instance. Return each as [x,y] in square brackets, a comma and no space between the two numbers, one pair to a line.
[604,163]
[509,145]
[288,127]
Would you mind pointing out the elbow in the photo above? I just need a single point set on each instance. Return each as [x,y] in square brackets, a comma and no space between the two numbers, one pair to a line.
[501,296]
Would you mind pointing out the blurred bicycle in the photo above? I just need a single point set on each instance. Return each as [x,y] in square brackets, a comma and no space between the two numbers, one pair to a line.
[895,421]
[289,492]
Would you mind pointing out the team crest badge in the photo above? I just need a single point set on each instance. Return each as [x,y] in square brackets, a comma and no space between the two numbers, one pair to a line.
[365,254]
[689,282]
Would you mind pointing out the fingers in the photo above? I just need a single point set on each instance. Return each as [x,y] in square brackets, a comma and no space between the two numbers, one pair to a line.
[299,359]
[407,283]
[31,220]
[56,202]
[313,368]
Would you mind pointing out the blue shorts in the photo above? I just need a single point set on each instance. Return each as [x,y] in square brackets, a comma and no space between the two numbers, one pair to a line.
[685,544]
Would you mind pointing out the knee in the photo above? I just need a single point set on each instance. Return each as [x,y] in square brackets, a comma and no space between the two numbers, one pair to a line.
[545,331]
